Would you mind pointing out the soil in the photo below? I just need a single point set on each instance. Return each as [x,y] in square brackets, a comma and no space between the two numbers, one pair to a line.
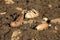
[28,32]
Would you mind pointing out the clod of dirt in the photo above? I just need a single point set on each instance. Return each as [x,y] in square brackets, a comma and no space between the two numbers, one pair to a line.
[57,20]
[15,35]
[32,14]
[17,22]
[9,2]
[42,26]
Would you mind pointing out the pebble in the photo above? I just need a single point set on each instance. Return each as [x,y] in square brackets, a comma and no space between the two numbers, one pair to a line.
[50,6]
[43,22]
[9,2]
[28,22]
[42,26]
[25,22]
[45,19]
[18,8]
[32,39]
[57,20]
[56,28]
[24,11]
[50,25]
[2,13]
[32,14]
[15,35]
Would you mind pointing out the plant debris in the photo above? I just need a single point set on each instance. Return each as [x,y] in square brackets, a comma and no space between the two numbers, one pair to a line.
[17,22]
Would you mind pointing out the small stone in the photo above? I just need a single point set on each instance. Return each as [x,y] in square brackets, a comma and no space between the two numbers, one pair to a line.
[42,26]
[15,35]
[32,39]
[43,22]
[56,28]
[49,5]
[45,19]
[18,8]
[30,21]
[2,13]
[50,25]
[9,2]
[24,11]
[32,14]
[25,22]
[16,32]
[57,20]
